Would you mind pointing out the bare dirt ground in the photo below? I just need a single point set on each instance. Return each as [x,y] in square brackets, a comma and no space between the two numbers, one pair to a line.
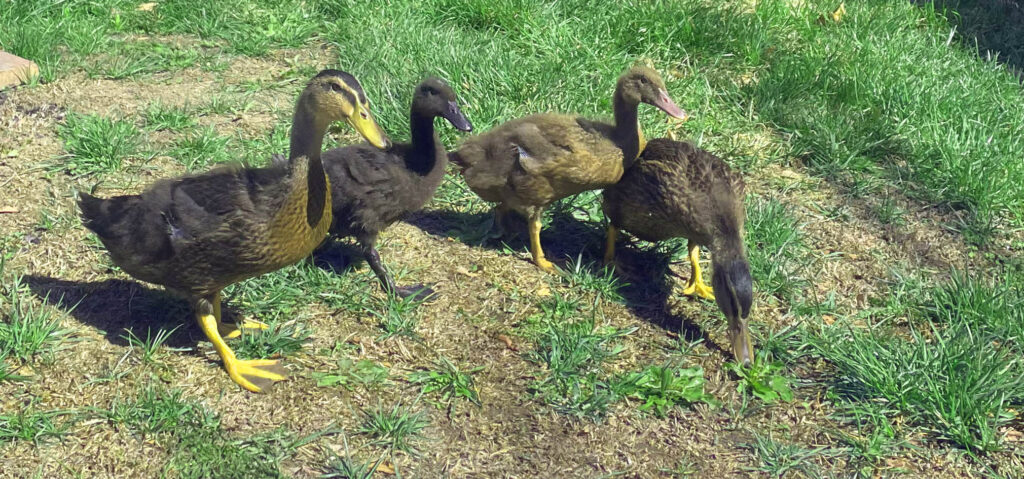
[511,434]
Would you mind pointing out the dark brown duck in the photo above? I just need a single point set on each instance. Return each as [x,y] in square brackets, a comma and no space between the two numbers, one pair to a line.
[198,234]
[675,190]
[526,164]
[371,188]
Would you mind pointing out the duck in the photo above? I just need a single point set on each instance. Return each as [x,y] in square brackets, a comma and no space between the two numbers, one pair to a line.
[526,164]
[372,188]
[676,190]
[197,234]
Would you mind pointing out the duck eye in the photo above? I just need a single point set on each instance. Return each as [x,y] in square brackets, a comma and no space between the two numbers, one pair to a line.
[336,87]
[644,80]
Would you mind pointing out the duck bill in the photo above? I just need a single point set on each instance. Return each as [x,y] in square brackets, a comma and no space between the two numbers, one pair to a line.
[742,347]
[668,106]
[454,116]
[363,122]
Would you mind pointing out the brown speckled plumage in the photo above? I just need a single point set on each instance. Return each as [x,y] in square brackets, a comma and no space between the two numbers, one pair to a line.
[675,190]
[373,189]
[528,163]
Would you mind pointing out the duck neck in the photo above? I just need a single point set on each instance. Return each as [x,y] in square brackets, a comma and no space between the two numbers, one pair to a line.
[627,128]
[727,246]
[307,139]
[423,157]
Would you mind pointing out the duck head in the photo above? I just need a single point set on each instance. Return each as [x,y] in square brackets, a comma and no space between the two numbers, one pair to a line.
[340,96]
[642,84]
[734,294]
[435,98]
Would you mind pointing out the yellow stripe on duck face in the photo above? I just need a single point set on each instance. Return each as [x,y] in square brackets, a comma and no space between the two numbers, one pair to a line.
[362,120]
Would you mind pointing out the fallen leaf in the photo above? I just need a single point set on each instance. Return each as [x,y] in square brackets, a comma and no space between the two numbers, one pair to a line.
[508,342]
[146,7]
[463,270]
[544,291]
[8,209]
[386,468]
[835,16]
[828,319]
[1013,435]
[838,14]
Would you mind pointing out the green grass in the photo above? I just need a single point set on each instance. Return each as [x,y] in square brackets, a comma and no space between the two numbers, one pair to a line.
[601,280]
[279,339]
[28,330]
[777,254]
[156,410]
[865,96]
[347,466]
[448,382]
[351,374]
[659,388]
[199,447]
[876,437]
[35,426]
[572,351]
[396,428]
[151,347]
[201,149]
[777,457]
[881,101]
[762,379]
[97,144]
[397,316]
[6,371]
[159,116]
[959,373]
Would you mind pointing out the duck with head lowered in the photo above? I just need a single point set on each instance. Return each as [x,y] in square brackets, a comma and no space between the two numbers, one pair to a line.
[526,164]
[197,234]
[676,190]
[373,188]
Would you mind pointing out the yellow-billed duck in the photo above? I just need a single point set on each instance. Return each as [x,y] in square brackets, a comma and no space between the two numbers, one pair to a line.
[526,164]
[200,233]
[372,188]
[676,190]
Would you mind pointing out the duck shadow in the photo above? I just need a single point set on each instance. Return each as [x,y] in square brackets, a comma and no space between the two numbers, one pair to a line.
[644,275]
[995,27]
[561,237]
[337,256]
[120,308]
[647,284]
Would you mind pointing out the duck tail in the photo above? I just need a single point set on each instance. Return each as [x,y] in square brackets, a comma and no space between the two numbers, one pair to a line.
[99,214]
[91,208]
